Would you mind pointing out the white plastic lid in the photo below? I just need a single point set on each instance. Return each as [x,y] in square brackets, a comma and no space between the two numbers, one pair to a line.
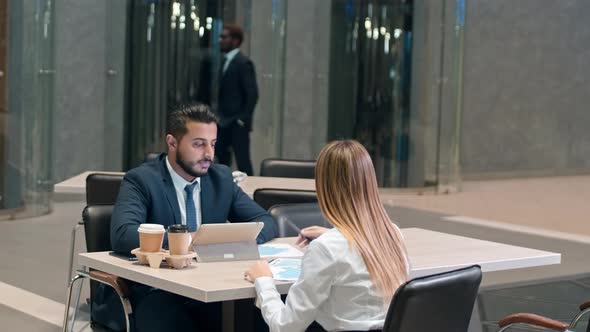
[151,228]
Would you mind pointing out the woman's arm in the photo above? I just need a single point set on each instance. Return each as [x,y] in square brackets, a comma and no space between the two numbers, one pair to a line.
[309,234]
[318,270]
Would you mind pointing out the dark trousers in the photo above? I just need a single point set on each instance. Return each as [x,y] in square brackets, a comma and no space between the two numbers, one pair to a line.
[238,138]
[158,310]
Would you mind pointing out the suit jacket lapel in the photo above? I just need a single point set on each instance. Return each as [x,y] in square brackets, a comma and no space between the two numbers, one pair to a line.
[230,65]
[206,199]
[170,192]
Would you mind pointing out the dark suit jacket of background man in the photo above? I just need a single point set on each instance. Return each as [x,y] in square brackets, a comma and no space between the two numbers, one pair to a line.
[238,92]
[147,194]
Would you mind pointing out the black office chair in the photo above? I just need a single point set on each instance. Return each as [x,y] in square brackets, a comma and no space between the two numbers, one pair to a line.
[441,302]
[291,218]
[288,168]
[268,197]
[97,225]
[150,156]
[101,189]
[535,322]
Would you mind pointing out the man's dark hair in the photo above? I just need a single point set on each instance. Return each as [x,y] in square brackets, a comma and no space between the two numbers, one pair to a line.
[178,118]
[235,32]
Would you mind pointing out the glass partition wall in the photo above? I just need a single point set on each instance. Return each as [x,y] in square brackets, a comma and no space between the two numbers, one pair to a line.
[174,57]
[325,70]
[370,65]
[384,72]
[26,107]
[394,85]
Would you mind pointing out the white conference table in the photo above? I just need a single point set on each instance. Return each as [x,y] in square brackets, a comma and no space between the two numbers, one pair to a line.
[77,184]
[429,252]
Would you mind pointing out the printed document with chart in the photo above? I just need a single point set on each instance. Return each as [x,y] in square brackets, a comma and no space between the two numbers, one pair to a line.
[286,269]
[276,250]
[286,263]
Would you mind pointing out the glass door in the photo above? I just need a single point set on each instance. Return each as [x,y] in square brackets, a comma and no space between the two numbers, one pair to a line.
[26,106]
[370,64]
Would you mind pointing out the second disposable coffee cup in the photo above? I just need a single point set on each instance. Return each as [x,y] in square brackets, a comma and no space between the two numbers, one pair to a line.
[178,239]
[151,237]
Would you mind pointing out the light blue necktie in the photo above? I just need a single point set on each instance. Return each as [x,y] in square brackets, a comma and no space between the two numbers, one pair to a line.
[225,64]
[191,212]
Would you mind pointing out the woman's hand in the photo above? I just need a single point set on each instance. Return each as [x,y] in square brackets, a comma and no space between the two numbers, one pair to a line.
[259,269]
[310,233]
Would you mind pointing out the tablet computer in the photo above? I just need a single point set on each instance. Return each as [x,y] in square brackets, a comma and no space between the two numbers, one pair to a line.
[227,241]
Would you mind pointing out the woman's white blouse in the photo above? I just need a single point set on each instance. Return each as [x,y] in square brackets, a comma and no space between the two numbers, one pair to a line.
[333,289]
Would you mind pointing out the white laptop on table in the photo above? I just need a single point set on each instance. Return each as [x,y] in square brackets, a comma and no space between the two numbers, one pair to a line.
[227,242]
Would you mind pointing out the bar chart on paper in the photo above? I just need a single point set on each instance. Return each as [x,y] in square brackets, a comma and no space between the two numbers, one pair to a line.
[277,250]
[286,269]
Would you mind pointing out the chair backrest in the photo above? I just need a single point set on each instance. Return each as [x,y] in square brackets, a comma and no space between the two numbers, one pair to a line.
[292,217]
[288,168]
[102,188]
[442,302]
[97,231]
[267,197]
[149,156]
[97,227]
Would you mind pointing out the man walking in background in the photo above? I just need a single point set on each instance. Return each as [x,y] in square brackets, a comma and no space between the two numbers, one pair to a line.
[238,94]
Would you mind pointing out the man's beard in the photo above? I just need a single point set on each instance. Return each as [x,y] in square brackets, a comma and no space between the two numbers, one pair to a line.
[185,167]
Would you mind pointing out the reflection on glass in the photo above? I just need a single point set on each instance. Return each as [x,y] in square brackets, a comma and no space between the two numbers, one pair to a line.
[369,101]
[26,117]
[177,63]
[267,47]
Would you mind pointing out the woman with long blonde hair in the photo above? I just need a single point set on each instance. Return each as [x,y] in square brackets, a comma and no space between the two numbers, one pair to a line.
[349,273]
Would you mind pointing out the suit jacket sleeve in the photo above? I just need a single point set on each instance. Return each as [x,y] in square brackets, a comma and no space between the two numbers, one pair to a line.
[129,212]
[250,90]
[243,208]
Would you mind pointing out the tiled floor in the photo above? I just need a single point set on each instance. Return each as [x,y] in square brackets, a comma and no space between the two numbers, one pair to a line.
[558,300]
[33,256]
[14,320]
[558,204]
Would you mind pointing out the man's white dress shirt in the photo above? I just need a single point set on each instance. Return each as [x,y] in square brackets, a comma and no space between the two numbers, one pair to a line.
[179,184]
[229,57]
[334,289]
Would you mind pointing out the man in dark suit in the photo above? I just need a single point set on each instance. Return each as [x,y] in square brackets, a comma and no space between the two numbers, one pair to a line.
[238,94]
[180,187]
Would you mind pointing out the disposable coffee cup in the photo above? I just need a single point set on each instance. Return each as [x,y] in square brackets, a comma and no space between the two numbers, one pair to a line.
[179,239]
[151,237]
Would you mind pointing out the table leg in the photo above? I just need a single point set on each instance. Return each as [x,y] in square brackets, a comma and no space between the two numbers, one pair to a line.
[242,316]
[227,316]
